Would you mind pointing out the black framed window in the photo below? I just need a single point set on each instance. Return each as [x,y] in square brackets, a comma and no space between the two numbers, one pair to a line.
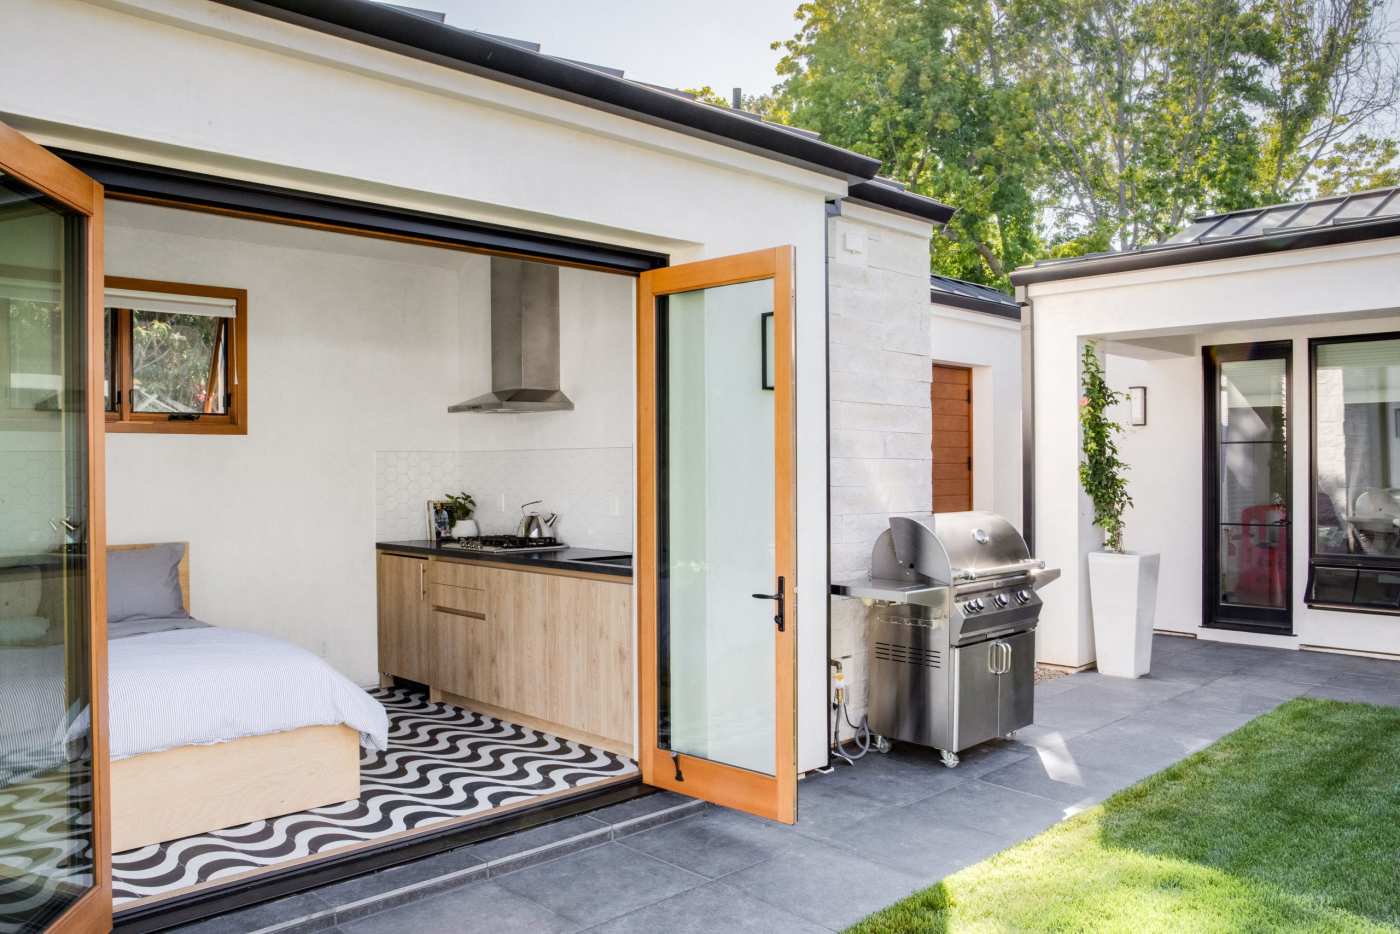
[1355,473]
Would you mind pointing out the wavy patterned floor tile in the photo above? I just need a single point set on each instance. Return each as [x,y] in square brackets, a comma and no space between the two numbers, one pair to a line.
[443,763]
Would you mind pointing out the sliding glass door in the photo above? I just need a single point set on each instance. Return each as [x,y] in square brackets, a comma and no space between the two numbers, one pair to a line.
[716,543]
[1248,521]
[53,851]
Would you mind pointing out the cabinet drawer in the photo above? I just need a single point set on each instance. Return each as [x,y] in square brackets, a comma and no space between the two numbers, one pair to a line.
[459,599]
[457,575]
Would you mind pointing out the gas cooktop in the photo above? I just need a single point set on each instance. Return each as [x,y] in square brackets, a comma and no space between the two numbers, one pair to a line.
[501,544]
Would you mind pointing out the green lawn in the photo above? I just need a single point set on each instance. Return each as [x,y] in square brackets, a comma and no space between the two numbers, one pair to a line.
[1291,823]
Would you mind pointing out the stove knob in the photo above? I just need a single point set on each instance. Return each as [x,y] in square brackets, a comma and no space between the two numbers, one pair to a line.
[1001,600]
[1023,596]
[977,605]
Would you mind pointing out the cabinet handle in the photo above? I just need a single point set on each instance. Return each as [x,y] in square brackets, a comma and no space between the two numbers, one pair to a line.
[423,579]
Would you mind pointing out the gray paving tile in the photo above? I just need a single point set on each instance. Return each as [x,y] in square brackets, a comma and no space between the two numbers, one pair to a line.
[600,884]
[989,757]
[714,843]
[1058,776]
[824,884]
[825,808]
[1359,664]
[1359,693]
[1085,709]
[581,829]
[993,809]
[639,807]
[264,915]
[906,774]
[484,906]
[1048,689]
[389,880]
[710,908]
[1219,695]
[907,839]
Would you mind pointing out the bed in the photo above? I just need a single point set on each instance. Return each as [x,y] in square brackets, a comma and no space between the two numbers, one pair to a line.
[212,727]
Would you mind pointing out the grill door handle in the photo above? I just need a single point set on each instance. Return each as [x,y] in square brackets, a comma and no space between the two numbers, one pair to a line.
[780,617]
[999,658]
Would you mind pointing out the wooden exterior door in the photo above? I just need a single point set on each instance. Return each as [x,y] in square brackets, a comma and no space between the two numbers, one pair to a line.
[55,822]
[716,539]
[952,438]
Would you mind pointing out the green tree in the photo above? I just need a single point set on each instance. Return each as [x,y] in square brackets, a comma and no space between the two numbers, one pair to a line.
[926,88]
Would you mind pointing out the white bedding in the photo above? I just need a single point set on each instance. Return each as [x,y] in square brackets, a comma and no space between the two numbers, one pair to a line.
[208,685]
[181,687]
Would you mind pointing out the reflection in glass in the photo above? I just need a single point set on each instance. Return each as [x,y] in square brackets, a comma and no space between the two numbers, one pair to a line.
[177,363]
[1253,494]
[717,528]
[1356,440]
[45,753]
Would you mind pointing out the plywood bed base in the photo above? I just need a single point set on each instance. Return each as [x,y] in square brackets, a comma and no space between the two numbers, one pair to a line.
[188,790]
[166,795]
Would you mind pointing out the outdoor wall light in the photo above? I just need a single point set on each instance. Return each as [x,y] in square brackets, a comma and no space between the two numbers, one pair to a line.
[1137,405]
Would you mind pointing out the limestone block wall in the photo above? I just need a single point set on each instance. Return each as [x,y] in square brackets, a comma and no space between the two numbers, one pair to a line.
[881,415]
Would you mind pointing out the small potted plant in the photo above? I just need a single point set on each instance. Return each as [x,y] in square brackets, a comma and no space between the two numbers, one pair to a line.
[1122,584]
[462,507]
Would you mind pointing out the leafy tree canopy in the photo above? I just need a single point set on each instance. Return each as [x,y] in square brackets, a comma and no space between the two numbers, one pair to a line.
[1059,127]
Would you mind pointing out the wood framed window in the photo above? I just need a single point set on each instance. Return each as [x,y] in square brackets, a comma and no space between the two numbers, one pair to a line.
[176,357]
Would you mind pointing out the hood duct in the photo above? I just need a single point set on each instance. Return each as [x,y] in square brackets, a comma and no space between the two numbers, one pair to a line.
[524,341]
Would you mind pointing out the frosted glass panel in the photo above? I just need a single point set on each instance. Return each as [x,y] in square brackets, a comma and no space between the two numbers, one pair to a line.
[717,689]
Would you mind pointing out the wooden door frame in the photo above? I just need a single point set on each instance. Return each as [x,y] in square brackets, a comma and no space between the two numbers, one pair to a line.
[32,164]
[772,796]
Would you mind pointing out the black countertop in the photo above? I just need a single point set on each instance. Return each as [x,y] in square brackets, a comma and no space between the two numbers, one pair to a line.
[566,559]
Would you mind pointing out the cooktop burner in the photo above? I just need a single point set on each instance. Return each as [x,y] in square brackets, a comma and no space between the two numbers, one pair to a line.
[504,543]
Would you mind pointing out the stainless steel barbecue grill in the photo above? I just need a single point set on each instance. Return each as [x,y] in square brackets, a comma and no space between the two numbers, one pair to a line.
[952,638]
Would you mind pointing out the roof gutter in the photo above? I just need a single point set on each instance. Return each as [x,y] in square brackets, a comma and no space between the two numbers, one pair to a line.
[1203,252]
[891,198]
[1008,310]
[405,33]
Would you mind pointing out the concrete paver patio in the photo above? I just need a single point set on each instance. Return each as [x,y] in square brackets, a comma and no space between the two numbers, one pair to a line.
[870,834]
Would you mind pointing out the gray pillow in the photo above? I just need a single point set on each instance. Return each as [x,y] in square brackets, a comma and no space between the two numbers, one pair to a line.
[144,583]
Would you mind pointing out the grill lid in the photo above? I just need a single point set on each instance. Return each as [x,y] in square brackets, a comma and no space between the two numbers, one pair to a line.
[959,546]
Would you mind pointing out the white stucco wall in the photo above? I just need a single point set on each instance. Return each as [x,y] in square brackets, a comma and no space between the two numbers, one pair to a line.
[371,125]
[991,347]
[881,415]
[1173,311]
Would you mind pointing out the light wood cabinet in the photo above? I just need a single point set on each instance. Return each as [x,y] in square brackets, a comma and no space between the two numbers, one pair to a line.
[546,649]
[405,619]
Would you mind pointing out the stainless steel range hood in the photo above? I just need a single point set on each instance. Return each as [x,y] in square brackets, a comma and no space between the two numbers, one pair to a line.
[524,341]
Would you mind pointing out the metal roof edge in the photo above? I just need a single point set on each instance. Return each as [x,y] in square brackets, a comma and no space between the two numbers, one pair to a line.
[406,33]
[890,198]
[1157,257]
[1009,310]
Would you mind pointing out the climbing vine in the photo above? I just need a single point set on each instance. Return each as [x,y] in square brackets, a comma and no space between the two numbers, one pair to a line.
[1101,470]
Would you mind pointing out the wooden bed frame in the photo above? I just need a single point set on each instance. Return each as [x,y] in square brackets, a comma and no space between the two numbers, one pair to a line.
[178,792]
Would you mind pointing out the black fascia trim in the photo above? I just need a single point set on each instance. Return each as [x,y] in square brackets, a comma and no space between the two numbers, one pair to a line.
[132,178]
[1196,253]
[890,198]
[393,30]
[1007,309]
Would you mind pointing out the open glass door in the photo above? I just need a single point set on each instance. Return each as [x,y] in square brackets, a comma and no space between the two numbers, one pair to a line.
[54,859]
[717,531]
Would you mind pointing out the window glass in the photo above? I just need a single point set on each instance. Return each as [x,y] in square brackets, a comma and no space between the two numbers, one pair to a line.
[1356,439]
[177,363]
[34,335]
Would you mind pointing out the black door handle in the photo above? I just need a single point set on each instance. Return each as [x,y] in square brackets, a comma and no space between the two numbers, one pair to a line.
[779,618]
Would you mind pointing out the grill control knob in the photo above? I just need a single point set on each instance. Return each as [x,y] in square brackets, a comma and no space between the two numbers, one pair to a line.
[1001,600]
[1023,596]
[977,605]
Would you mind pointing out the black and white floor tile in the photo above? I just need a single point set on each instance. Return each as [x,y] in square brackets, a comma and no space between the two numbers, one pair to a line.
[45,850]
[443,764]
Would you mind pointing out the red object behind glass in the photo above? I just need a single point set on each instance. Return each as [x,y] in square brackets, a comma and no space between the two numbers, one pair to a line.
[1263,579]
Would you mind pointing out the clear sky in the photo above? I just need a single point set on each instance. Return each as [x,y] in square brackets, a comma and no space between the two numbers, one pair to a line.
[722,43]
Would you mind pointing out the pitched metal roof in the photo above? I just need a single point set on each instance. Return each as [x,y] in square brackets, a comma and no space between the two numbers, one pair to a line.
[882,192]
[944,290]
[1362,215]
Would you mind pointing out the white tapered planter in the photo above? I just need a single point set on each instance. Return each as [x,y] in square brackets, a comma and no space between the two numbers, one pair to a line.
[1123,596]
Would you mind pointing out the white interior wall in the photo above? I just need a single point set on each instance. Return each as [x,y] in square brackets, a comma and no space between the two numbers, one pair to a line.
[1347,288]
[354,352]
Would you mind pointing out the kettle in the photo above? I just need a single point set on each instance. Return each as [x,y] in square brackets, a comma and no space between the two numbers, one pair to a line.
[532,525]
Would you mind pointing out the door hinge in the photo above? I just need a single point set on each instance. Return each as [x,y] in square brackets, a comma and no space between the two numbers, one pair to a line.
[969,462]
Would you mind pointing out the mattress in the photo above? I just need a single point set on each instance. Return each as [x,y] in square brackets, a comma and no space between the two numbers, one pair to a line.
[175,683]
